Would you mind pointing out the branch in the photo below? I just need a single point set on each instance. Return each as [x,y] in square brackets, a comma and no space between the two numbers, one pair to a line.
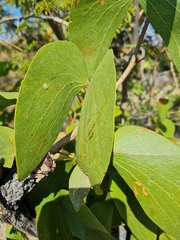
[142,117]
[14,209]
[57,29]
[55,19]
[62,142]
[6,42]
[175,78]
[132,61]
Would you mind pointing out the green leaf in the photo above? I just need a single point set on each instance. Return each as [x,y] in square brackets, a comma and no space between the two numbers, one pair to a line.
[93,26]
[7,99]
[164,16]
[83,219]
[51,223]
[6,146]
[132,213]
[58,213]
[55,76]
[13,234]
[164,236]
[104,213]
[150,164]
[166,127]
[79,187]
[176,141]
[4,68]
[95,133]
[132,238]
[163,106]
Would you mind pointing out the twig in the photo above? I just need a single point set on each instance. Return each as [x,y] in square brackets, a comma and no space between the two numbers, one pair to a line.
[175,78]
[142,117]
[6,42]
[56,19]
[132,61]
[62,142]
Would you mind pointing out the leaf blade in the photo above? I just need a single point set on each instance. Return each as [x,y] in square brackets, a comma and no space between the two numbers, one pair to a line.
[164,16]
[79,187]
[6,146]
[127,205]
[148,163]
[7,99]
[98,24]
[55,76]
[95,133]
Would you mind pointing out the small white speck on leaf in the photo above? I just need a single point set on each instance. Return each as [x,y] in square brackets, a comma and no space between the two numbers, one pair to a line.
[45,86]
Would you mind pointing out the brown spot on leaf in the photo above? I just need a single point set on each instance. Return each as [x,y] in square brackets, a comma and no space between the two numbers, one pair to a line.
[59,206]
[102,2]
[87,51]
[86,85]
[138,183]
[145,191]
[75,3]
[142,130]
[135,191]
[163,101]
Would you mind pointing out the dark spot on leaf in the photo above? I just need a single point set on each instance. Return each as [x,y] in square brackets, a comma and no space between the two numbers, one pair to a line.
[90,136]
[90,133]
[163,101]
[60,206]
[86,85]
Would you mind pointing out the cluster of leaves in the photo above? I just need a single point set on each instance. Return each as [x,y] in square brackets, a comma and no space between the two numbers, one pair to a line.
[106,179]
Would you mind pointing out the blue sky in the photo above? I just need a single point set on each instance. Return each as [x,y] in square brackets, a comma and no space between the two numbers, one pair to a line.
[13,11]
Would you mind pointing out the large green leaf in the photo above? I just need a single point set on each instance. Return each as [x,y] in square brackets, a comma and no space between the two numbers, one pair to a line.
[55,76]
[95,22]
[165,17]
[95,133]
[150,165]
[6,146]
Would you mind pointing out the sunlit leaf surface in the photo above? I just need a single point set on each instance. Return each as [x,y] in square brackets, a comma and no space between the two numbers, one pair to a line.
[150,165]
